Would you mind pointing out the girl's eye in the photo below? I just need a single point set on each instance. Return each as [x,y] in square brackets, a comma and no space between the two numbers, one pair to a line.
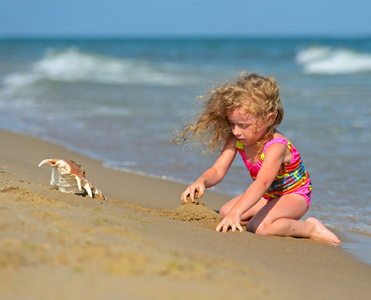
[244,126]
[239,126]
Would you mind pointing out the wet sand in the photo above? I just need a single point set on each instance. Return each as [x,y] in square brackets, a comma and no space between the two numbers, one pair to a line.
[141,243]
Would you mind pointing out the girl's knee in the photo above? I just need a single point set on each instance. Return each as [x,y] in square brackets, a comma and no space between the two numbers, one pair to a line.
[263,229]
[224,210]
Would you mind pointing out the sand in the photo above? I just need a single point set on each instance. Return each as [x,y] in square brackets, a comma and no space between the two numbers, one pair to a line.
[141,243]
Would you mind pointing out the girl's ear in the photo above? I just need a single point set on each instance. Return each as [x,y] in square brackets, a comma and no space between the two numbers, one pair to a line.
[270,119]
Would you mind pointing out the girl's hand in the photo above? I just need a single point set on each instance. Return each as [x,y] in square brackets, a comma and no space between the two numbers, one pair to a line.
[191,190]
[231,220]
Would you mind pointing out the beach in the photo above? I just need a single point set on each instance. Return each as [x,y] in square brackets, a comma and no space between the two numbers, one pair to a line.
[141,244]
[123,99]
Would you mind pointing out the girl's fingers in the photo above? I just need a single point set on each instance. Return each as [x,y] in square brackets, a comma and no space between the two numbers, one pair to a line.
[192,195]
[190,192]
[201,192]
[224,227]
[184,195]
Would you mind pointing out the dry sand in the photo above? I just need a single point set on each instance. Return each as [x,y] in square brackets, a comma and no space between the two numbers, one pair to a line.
[142,244]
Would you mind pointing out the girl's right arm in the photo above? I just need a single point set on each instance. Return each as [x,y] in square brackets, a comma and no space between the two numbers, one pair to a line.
[215,174]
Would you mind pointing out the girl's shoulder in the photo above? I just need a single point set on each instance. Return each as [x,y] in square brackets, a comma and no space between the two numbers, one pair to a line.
[286,146]
[278,138]
[231,142]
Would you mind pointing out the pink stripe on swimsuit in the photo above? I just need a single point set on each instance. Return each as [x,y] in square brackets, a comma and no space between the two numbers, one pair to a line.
[292,177]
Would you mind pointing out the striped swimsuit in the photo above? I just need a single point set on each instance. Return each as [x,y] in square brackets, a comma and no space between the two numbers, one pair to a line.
[292,177]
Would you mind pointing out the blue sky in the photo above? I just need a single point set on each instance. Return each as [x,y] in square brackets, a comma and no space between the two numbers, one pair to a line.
[184,18]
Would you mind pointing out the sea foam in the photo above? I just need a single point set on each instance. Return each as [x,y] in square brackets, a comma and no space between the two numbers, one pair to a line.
[74,65]
[327,60]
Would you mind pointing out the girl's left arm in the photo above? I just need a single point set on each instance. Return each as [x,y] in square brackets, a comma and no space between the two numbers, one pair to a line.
[274,157]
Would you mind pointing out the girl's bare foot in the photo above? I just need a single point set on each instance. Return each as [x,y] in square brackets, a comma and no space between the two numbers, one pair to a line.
[321,233]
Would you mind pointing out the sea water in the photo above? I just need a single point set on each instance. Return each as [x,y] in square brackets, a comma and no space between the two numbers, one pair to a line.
[121,100]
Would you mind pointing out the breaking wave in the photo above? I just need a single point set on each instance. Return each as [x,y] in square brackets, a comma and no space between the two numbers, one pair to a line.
[328,60]
[73,65]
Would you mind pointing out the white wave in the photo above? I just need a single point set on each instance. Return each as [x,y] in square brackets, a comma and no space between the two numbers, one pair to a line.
[71,65]
[327,60]
[312,54]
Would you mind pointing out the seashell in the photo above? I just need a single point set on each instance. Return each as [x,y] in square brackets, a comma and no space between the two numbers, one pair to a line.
[69,177]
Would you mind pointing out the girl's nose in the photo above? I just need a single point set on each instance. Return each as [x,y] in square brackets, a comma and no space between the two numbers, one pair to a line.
[236,131]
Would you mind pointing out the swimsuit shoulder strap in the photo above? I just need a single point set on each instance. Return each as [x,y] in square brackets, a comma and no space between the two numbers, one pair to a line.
[288,144]
[239,145]
[277,141]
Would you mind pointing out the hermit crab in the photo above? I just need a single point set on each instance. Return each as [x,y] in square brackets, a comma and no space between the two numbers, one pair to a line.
[69,177]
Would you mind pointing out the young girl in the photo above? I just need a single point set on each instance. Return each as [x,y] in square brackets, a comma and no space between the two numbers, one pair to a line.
[243,115]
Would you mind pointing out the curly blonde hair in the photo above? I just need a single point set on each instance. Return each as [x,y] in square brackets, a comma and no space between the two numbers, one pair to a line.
[252,93]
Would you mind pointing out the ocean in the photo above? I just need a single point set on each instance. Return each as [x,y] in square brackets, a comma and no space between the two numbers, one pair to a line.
[121,100]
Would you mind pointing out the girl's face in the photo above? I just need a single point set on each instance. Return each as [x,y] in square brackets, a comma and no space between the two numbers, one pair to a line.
[245,127]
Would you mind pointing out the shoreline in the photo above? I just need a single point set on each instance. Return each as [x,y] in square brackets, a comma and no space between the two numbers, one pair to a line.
[112,248]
